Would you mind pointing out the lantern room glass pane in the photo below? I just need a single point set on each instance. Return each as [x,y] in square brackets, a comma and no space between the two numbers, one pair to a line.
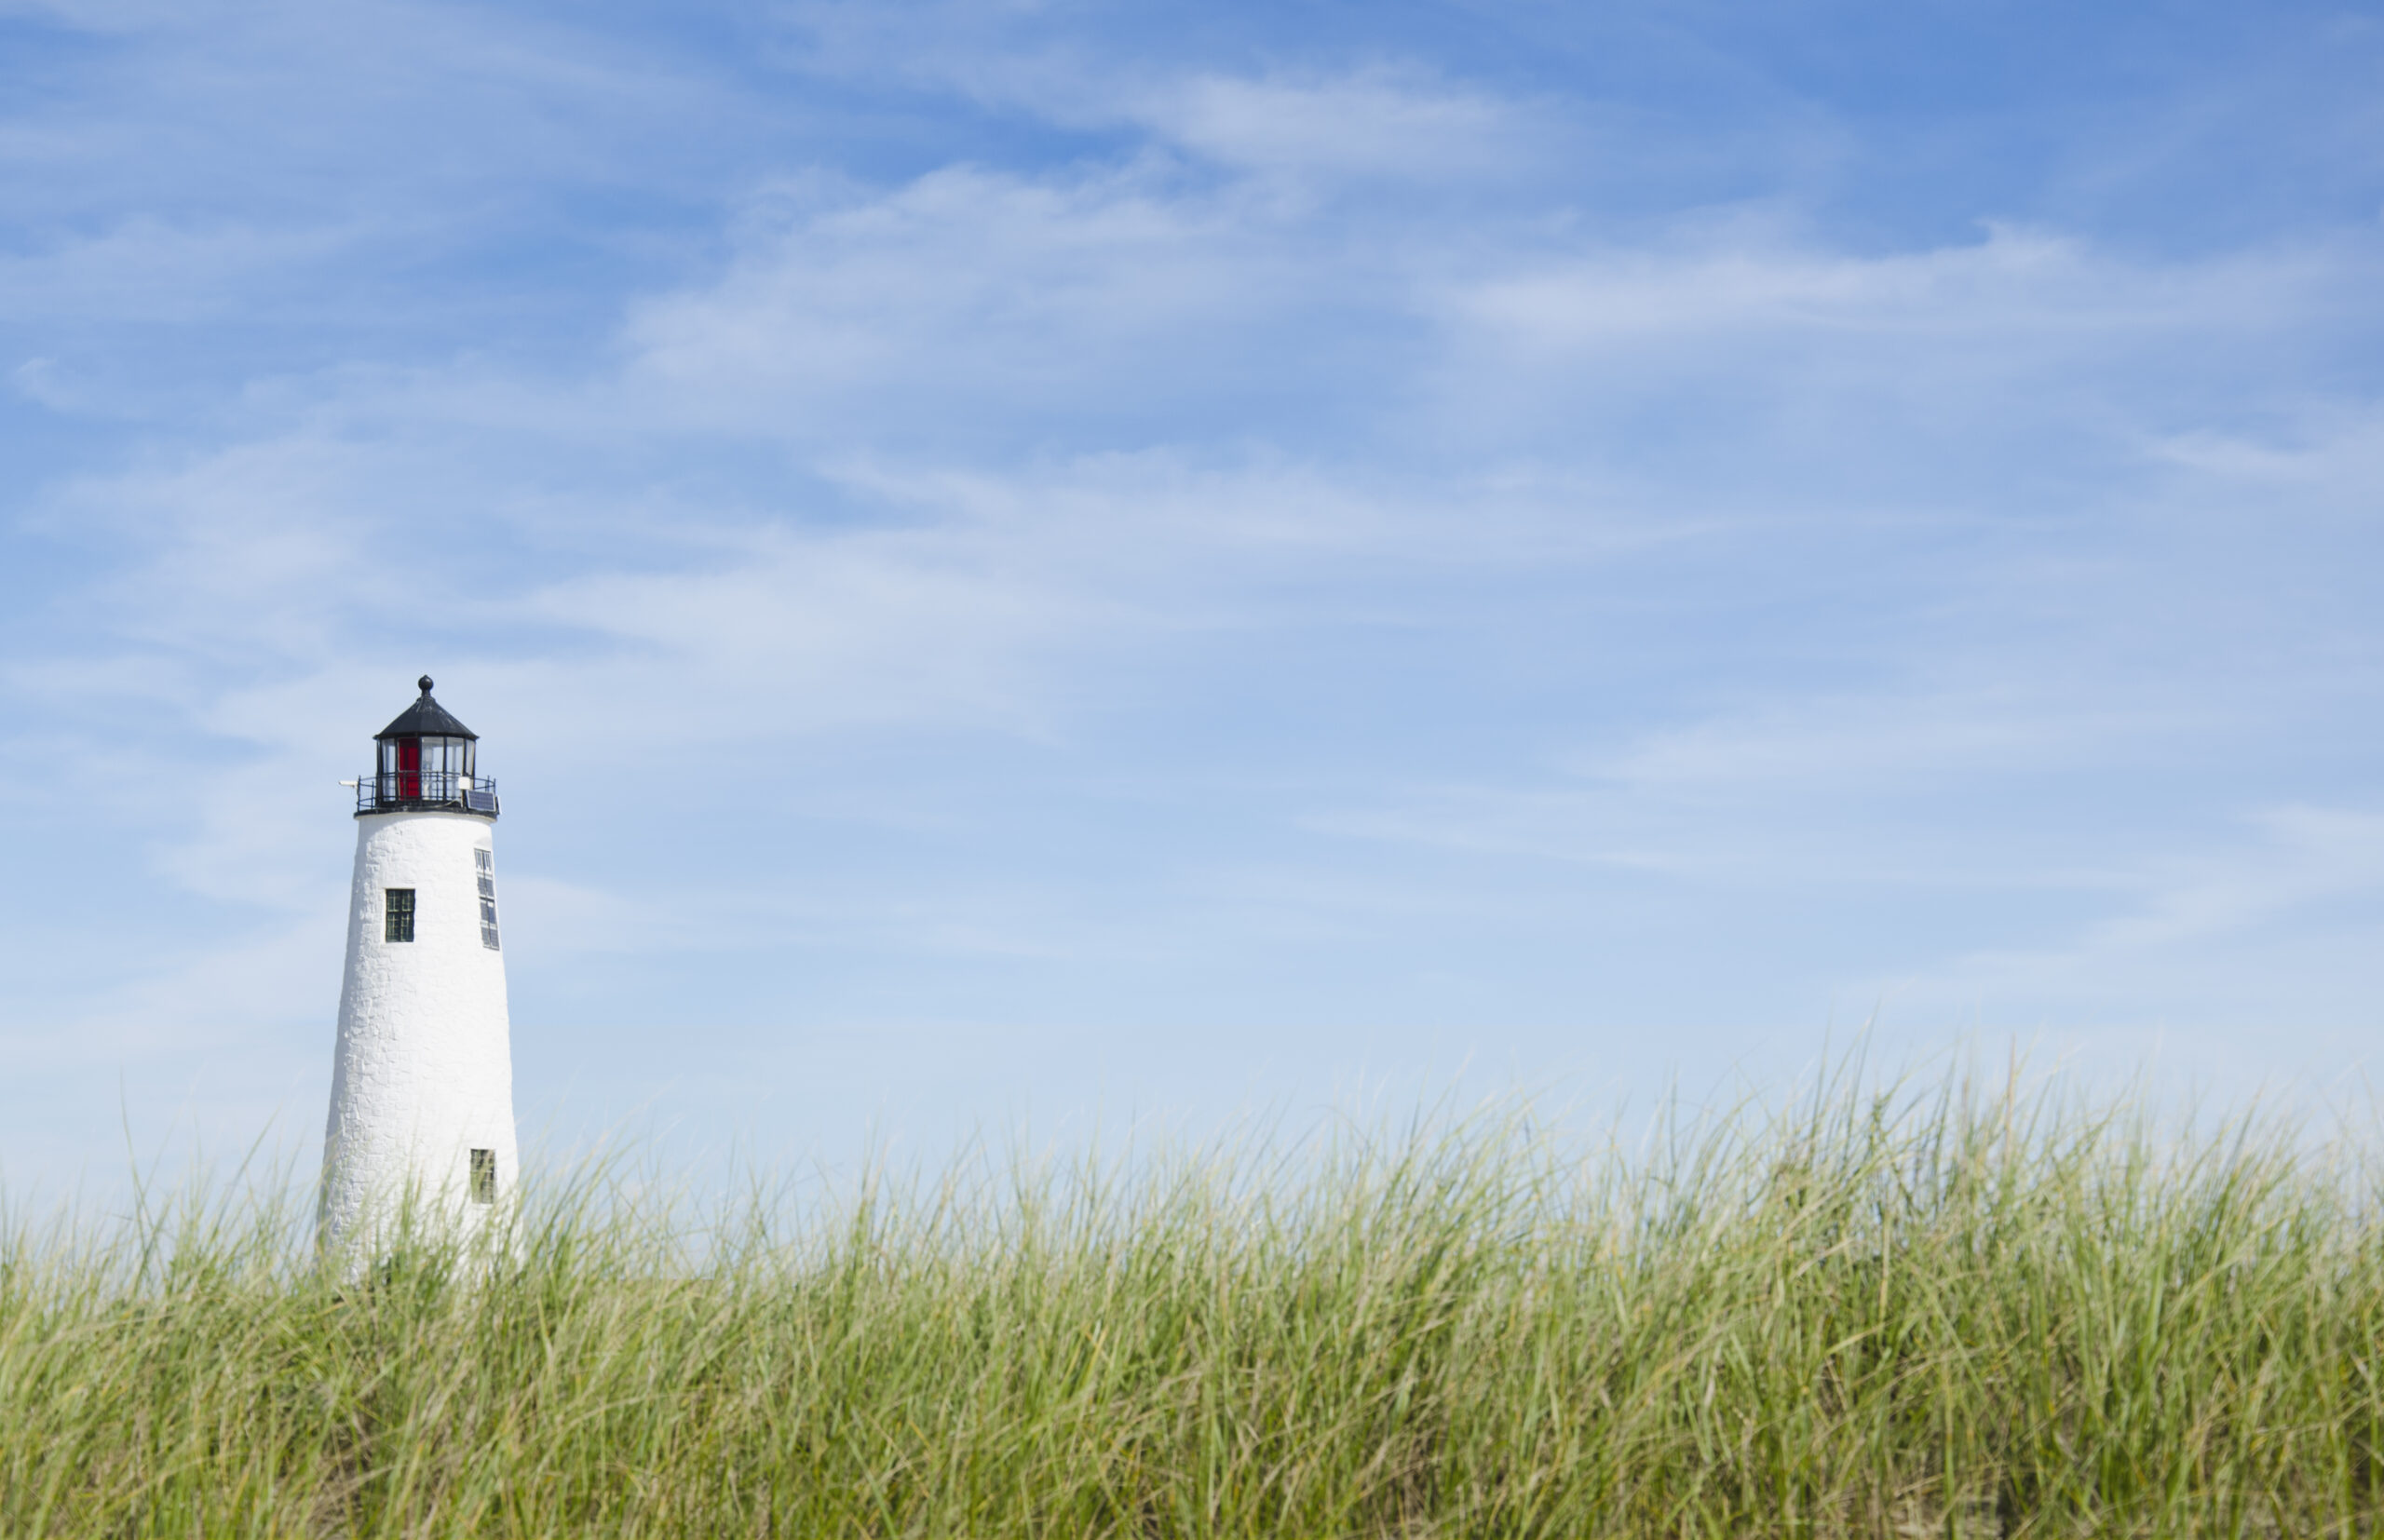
[442,768]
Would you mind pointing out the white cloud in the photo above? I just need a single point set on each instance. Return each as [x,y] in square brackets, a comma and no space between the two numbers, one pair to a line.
[36,380]
[2017,298]
[794,634]
[1369,122]
[962,293]
[148,271]
[2279,929]
[1374,121]
[1895,737]
[2327,455]
[2305,855]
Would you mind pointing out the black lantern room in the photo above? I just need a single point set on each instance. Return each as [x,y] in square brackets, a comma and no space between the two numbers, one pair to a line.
[428,760]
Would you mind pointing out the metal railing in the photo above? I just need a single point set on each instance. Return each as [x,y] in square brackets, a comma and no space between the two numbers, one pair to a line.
[408,791]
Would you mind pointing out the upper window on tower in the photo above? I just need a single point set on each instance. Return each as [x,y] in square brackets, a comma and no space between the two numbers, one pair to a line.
[397,914]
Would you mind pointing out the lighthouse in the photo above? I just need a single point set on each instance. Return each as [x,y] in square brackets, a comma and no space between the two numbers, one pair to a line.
[422,1081]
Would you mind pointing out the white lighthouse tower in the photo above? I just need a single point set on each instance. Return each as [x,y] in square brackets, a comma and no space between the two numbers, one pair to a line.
[422,1088]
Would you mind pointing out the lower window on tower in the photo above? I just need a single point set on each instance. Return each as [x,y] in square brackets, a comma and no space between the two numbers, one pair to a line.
[483,1176]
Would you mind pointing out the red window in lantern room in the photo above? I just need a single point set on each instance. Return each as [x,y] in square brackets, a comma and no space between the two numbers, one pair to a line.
[410,767]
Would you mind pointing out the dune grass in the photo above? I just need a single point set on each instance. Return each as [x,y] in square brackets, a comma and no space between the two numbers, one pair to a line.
[1946,1310]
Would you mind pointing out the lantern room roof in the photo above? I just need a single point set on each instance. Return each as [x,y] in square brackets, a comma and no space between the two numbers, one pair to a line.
[426,718]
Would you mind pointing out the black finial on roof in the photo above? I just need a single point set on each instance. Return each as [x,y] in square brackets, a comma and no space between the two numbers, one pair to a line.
[426,718]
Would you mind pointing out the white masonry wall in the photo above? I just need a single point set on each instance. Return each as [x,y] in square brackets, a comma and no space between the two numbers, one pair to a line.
[424,1073]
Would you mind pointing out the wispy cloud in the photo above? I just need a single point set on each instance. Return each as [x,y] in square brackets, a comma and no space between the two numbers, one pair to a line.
[1375,122]
[969,286]
[2270,924]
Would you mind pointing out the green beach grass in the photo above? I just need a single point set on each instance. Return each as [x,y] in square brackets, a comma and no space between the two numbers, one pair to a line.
[1951,1309]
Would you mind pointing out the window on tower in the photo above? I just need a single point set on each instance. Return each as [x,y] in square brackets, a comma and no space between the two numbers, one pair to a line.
[397,914]
[483,1176]
[487,864]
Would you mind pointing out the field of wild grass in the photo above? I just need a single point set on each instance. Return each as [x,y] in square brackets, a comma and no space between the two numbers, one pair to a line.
[1952,1309]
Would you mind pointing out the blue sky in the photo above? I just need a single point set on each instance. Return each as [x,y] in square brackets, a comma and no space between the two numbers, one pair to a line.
[1076,561]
